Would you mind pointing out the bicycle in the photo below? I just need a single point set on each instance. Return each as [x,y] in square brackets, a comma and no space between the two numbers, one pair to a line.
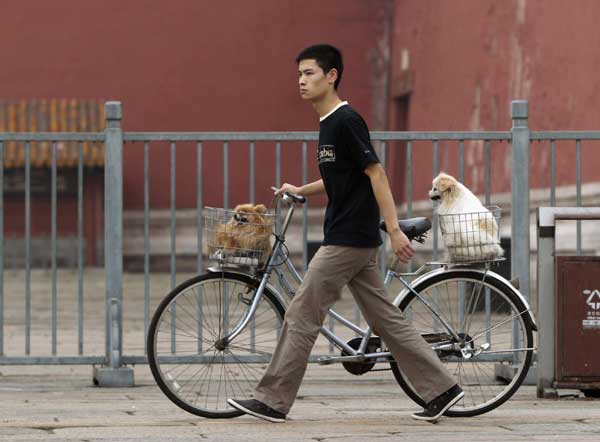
[213,335]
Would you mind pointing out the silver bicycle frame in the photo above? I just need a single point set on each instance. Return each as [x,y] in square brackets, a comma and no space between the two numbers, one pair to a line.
[365,334]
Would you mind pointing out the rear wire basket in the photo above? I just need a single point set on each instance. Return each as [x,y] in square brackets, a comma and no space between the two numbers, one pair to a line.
[237,237]
[472,236]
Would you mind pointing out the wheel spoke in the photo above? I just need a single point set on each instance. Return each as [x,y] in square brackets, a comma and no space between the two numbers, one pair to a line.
[201,371]
[458,300]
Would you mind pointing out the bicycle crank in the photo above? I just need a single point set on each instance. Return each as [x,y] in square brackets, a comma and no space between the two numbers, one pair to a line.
[359,367]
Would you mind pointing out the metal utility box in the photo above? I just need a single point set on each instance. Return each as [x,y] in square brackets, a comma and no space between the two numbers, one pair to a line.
[577,338]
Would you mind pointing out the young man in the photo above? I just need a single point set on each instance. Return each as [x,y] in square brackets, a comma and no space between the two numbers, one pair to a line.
[357,190]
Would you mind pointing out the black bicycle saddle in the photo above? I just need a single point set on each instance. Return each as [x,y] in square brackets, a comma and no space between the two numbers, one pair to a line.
[412,227]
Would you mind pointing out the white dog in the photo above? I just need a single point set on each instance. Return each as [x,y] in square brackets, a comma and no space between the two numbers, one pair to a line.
[470,230]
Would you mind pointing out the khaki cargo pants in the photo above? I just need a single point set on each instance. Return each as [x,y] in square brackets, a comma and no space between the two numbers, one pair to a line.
[330,270]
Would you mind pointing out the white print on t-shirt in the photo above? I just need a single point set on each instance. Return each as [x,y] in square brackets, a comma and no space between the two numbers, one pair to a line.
[326,153]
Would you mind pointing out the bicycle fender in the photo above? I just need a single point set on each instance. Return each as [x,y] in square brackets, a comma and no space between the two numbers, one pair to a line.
[488,275]
[282,299]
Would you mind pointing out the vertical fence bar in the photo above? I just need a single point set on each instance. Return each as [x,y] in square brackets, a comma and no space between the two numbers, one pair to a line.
[27,248]
[278,164]
[552,174]
[436,168]
[80,250]
[200,205]
[278,182]
[520,202]
[382,251]
[252,175]
[113,374]
[225,288]
[146,241]
[409,187]
[53,247]
[461,161]
[1,249]
[435,219]
[252,197]
[488,191]
[409,180]
[520,195]
[578,193]
[226,175]
[173,217]
[461,178]
[488,172]
[304,208]
[173,244]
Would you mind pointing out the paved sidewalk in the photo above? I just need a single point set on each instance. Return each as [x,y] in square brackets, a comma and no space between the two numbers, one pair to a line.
[60,404]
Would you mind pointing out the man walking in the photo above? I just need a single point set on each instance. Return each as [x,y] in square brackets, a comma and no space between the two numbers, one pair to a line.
[358,191]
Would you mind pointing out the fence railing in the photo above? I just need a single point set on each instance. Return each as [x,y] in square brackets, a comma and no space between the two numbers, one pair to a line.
[518,139]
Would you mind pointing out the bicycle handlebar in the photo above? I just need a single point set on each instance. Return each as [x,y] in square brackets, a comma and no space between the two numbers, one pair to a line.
[295,198]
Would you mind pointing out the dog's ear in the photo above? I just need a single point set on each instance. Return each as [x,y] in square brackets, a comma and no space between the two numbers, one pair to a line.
[244,208]
[260,208]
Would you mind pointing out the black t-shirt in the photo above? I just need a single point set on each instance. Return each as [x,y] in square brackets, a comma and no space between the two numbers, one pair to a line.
[345,150]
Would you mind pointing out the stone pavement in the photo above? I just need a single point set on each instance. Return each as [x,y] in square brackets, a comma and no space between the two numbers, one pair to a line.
[61,404]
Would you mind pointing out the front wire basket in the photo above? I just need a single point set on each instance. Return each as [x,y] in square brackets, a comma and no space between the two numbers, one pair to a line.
[241,236]
[472,236]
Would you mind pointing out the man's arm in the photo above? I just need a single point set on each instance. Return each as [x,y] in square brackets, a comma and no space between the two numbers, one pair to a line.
[314,188]
[383,194]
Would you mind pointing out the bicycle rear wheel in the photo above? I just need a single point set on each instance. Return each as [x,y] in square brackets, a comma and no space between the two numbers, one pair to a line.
[490,319]
[191,363]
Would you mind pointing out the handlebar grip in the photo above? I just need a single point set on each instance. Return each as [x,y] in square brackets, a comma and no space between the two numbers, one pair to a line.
[296,198]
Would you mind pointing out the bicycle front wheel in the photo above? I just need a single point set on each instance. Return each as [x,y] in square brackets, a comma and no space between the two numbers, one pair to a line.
[495,332]
[191,362]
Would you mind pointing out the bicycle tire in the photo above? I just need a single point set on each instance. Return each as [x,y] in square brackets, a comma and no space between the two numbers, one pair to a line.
[475,402]
[188,379]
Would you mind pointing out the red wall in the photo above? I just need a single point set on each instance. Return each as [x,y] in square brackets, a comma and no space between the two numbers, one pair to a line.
[189,65]
[471,58]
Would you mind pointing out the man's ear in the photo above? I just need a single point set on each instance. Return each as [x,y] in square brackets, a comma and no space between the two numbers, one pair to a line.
[332,76]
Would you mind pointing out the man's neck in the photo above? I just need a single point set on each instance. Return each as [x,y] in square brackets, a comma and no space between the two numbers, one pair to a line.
[326,104]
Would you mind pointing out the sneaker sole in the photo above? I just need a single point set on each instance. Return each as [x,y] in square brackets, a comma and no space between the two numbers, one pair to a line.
[253,413]
[437,416]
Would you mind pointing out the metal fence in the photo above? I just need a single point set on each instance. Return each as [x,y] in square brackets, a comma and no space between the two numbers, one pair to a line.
[518,140]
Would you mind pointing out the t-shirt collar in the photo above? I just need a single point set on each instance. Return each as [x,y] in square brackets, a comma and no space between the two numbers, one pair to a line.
[343,103]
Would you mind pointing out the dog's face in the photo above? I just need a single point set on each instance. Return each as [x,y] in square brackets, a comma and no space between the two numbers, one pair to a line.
[444,188]
[249,215]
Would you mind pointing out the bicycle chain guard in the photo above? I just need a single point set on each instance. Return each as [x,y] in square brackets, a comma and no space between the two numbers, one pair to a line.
[359,368]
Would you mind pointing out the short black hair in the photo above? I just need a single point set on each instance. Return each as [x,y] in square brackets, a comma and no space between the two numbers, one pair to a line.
[328,57]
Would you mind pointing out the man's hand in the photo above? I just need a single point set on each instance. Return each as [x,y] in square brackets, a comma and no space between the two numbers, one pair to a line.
[401,246]
[288,188]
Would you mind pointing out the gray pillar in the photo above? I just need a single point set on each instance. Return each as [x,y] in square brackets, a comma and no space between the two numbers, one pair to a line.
[113,373]
[545,305]
[520,195]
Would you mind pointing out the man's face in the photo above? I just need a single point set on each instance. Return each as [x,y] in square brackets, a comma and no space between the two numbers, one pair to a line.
[312,80]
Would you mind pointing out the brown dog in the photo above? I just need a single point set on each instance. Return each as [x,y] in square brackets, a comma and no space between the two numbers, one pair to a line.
[247,232]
